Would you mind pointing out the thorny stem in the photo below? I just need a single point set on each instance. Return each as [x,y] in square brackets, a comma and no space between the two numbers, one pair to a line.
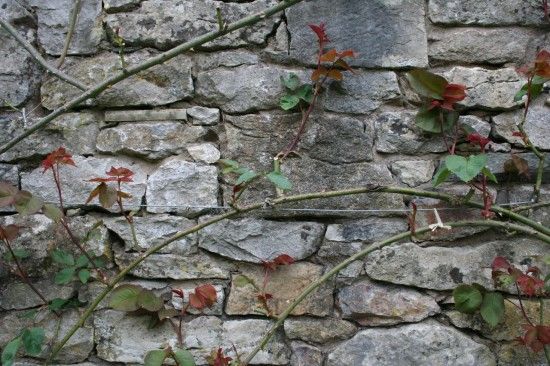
[522,307]
[128,217]
[535,229]
[70,31]
[531,207]
[57,180]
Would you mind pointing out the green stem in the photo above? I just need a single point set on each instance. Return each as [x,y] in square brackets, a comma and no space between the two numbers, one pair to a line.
[155,60]
[70,31]
[340,266]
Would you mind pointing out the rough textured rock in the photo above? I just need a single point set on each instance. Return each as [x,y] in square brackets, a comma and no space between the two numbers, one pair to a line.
[15,10]
[256,240]
[314,330]
[487,89]
[155,140]
[75,185]
[285,284]
[152,230]
[77,348]
[372,304]
[146,115]
[490,12]
[386,33]
[53,19]
[479,45]
[204,153]
[112,6]
[362,93]
[204,116]
[426,343]
[479,125]
[16,295]
[396,132]
[9,173]
[524,193]
[441,268]
[305,355]
[130,340]
[536,125]
[159,85]
[413,172]
[162,24]
[182,183]
[496,161]
[189,267]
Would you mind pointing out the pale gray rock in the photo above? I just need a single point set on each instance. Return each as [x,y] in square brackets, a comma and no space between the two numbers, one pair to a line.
[146,115]
[489,12]
[479,45]
[413,172]
[152,230]
[181,183]
[204,116]
[153,141]
[426,343]
[163,25]
[487,89]
[216,309]
[174,266]
[524,193]
[53,19]
[257,240]
[387,33]
[396,132]
[479,125]
[78,132]
[204,153]
[17,295]
[112,6]
[159,85]
[362,93]
[9,173]
[75,185]
[313,330]
[224,58]
[373,304]
[442,268]
[510,354]
[496,161]
[15,11]
[304,354]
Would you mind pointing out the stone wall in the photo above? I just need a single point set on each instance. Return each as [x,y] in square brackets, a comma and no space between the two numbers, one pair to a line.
[172,123]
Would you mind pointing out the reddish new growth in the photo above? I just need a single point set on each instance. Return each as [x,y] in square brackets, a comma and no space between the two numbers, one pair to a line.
[270,266]
[528,282]
[53,161]
[535,337]
[107,195]
[217,358]
[453,93]
[541,66]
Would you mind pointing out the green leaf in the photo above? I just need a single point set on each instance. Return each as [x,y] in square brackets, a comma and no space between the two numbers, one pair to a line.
[489,174]
[305,92]
[289,101]
[52,212]
[280,181]
[291,82]
[149,301]
[26,203]
[429,120]
[537,85]
[242,280]
[19,253]
[99,262]
[57,304]
[246,177]
[64,276]
[427,84]
[125,298]
[183,357]
[84,275]
[33,338]
[31,314]
[546,259]
[82,261]
[492,308]
[10,351]
[62,257]
[155,357]
[467,298]
[441,175]
[466,168]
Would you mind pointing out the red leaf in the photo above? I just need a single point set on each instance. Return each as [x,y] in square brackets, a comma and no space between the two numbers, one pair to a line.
[542,64]
[529,285]
[518,134]
[219,359]
[544,333]
[9,232]
[347,53]
[178,292]
[454,92]
[500,263]
[56,157]
[123,174]
[320,31]
[283,259]
[204,296]
[475,138]
[335,74]
[7,194]
[329,56]
[343,64]
[536,337]
[316,75]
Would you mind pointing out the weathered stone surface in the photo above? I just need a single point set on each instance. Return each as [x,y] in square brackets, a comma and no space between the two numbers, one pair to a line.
[536,125]
[479,125]
[17,295]
[362,93]
[524,193]
[442,268]
[112,6]
[152,230]
[162,24]
[53,19]
[513,354]
[305,355]
[384,33]
[396,132]
[159,85]
[182,183]
[257,240]
[9,173]
[229,58]
[487,89]
[75,185]
[130,340]
[77,348]
[496,161]
[216,309]
[189,267]
[413,172]
[204,153]
[372,304]
[285,284]
[490,12]
[426,343]
[314,330]
[18,76]
[146,115]
[204,116]
[153,141]
[15,10]
[479,45]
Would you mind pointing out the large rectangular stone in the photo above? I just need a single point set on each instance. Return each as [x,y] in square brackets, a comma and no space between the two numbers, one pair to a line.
[146,115]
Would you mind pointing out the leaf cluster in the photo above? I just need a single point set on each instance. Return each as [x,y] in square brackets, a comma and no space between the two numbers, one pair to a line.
[73,268]
[31,339]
